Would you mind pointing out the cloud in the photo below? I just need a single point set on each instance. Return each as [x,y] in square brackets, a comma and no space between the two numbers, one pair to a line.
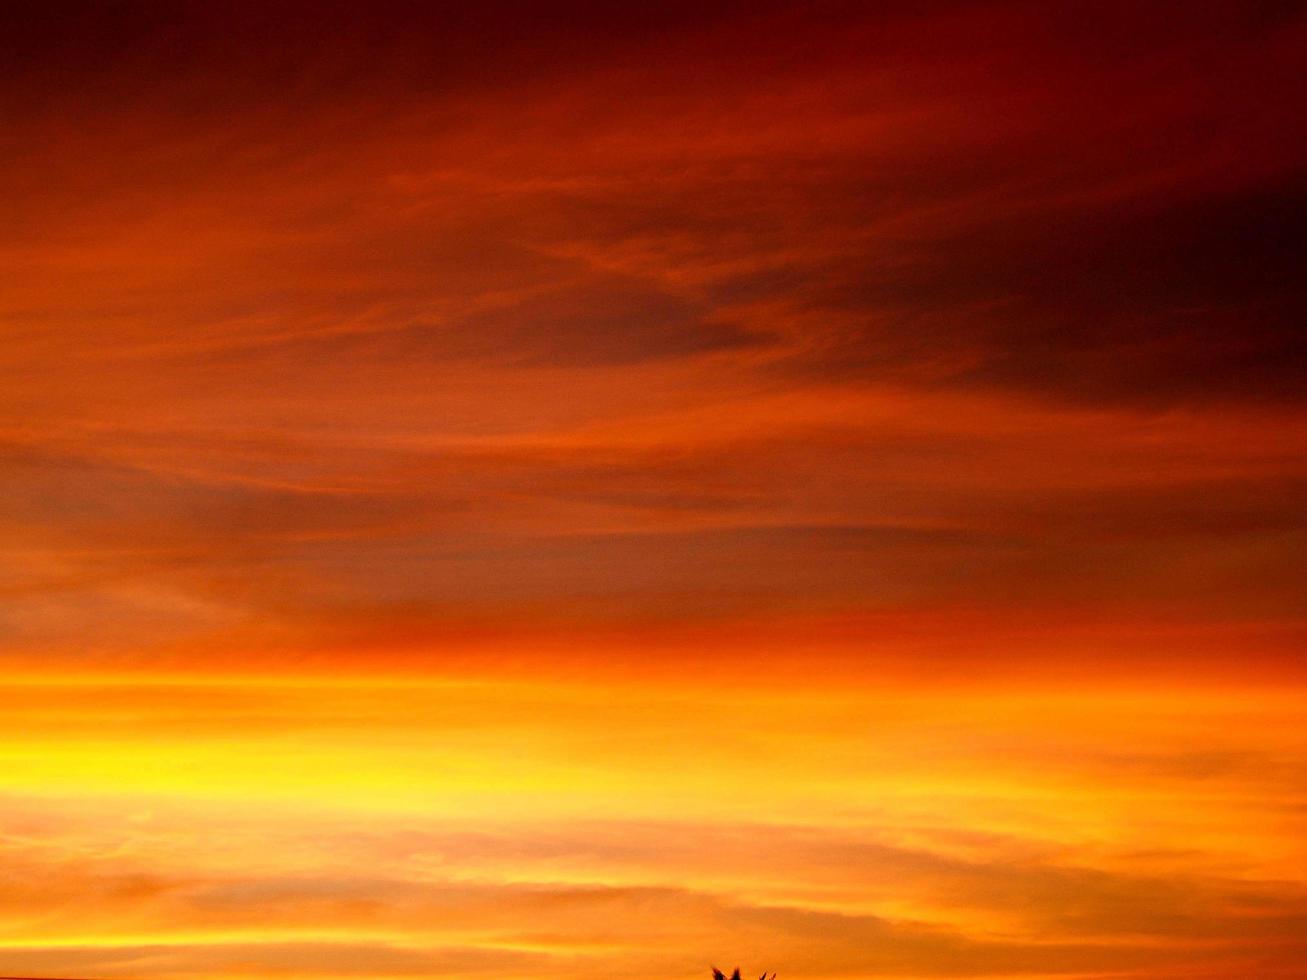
[600,490]
[999,917]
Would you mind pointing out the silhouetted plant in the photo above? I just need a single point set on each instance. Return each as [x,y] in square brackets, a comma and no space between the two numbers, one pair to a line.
[719,975]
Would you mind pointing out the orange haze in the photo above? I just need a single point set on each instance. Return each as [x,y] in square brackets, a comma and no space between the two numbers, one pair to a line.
[591,490]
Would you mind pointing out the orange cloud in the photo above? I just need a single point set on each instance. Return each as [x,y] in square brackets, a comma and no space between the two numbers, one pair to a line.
[601,491]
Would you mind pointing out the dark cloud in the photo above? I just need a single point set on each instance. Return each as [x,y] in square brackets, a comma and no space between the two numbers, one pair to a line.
[1135,302]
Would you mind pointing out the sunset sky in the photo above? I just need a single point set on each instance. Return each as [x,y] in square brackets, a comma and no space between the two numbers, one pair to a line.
[589,490]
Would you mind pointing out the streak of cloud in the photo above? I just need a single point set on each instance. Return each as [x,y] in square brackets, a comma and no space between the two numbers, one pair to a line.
[595,491]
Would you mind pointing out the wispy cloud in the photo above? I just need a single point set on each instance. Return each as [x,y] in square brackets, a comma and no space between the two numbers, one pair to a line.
[599,490]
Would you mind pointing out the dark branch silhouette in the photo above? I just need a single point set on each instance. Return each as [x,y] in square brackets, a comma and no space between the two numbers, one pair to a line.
[716,975]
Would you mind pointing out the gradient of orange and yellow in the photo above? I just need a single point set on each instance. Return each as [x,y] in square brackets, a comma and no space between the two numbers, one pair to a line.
[587,491]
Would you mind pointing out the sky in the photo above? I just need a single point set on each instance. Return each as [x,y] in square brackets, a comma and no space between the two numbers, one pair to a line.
[596,490]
